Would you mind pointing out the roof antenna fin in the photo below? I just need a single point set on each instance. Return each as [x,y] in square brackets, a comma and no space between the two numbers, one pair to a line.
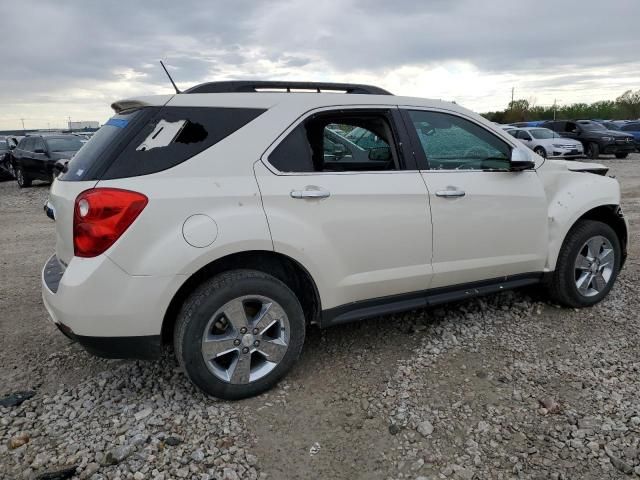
[170,79]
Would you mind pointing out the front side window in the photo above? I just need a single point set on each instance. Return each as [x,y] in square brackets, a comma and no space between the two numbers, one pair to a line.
[450,142]
[523,135]
[338,142]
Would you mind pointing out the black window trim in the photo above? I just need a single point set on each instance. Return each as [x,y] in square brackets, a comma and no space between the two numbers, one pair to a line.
[407,162]
[416,146]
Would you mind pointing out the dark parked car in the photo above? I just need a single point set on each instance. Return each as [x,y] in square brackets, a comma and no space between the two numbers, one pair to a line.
[6,170]
[595,137]
[35,156]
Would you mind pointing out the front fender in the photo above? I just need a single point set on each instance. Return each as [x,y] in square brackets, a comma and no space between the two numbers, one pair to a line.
[570,196]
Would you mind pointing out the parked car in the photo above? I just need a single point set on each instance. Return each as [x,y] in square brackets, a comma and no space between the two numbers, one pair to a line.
[215,220]
[548,143]
[36,155]
[595,138]
[632,127]
[6,169]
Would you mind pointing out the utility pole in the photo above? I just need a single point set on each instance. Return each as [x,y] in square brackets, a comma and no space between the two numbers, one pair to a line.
[23,130]
[69,117]
[512,90]
[554,108]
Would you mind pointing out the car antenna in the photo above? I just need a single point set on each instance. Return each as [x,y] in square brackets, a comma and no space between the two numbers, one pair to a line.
[170,79]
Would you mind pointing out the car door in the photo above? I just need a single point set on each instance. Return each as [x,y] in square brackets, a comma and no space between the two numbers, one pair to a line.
[361,228]
[488,222]
[39,158]
[22,153]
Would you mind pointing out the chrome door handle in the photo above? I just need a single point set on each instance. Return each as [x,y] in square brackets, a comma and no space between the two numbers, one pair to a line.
[450,192]
[310,193]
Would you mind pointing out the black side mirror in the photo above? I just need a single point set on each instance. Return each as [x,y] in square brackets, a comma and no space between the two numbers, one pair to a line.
[61,166]
[39,150]
[339,151]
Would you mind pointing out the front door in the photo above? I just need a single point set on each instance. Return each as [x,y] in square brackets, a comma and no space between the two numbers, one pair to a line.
[356,217]
[488,222]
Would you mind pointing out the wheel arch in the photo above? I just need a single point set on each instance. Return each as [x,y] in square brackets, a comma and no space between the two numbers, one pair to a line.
[282,267]
[610,214]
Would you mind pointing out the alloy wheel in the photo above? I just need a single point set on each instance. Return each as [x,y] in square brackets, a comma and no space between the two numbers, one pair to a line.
[245,339]
[594,266]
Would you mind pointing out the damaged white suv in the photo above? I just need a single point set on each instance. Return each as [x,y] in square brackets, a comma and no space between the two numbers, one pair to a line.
[228,218]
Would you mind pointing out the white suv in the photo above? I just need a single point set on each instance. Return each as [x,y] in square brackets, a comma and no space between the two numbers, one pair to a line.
[228,218]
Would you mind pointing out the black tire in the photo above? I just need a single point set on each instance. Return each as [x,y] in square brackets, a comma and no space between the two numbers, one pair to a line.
[622,155]
[541,151]
[562,286]
[24,181]
[592,151]
[205,301]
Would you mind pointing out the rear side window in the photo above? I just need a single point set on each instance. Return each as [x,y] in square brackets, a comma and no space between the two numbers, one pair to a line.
[151,140]
[341,141]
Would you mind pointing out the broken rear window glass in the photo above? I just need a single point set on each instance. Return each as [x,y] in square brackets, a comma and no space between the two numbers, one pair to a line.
[176,134]
[153,139]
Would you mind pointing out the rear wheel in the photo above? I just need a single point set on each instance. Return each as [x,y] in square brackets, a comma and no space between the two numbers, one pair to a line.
[22,178]
[622,155]
[593,150]
[587,265]
[540,151]
[239,333]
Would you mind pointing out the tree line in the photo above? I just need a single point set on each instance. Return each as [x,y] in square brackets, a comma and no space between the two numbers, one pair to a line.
[625,107]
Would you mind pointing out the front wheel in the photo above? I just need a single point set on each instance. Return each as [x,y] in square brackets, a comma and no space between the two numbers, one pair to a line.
[540,151]
[239,333]
[593,150]
[587,266]
[622,155]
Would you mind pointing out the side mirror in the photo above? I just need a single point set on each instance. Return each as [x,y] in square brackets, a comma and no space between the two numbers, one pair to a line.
[39,150]
[339,151]
[520,161]
[380,154]
[61,166]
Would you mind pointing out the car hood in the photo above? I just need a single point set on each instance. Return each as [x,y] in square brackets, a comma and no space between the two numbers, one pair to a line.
[614,134]
[559,140]
[573,166]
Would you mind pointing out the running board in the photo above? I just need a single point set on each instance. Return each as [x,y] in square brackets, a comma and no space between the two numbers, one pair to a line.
[423,299]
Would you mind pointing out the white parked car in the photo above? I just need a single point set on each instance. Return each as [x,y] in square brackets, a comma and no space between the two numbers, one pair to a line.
[215,220]
[548,143]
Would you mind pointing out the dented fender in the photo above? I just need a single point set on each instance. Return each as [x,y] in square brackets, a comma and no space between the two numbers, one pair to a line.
[571,193]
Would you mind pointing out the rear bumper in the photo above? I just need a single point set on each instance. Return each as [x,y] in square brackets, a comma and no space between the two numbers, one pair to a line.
[110,313]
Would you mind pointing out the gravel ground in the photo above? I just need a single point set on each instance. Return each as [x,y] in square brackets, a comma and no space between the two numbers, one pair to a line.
[507,386]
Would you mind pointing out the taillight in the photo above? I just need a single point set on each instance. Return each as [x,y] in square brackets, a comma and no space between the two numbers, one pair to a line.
[101,216]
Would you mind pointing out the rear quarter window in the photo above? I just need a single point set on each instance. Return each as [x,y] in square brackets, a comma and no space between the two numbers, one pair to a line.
[154,139]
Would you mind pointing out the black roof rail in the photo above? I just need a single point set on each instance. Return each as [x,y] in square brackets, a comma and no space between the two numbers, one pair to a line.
[238,86]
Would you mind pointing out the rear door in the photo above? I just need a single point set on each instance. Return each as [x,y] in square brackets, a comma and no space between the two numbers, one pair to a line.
[357,220]
[488,222]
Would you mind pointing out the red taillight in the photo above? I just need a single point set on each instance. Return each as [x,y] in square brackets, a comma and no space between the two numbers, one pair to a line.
[100,216]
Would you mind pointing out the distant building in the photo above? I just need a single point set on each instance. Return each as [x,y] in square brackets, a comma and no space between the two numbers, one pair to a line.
[84,125]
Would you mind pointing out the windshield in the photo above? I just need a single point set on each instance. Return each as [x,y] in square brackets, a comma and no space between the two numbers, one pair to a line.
[64,144]
[592,126]
[543,133]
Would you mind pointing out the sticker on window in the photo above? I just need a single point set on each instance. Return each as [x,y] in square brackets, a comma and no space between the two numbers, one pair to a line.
[117,122]
[166,133]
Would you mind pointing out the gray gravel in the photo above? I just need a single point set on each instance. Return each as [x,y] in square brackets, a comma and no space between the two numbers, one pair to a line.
[507,386]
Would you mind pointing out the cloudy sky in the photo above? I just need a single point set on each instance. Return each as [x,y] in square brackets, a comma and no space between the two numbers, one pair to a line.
[73,58]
